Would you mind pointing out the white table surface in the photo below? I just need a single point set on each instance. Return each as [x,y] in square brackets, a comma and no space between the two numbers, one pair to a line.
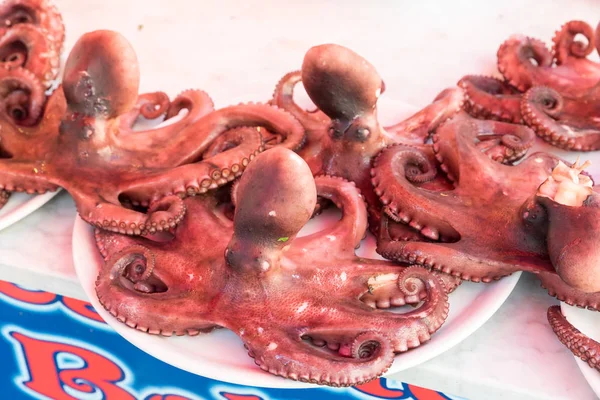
[237,51]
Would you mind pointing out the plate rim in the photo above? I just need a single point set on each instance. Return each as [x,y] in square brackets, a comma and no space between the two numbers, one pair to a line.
[26,208]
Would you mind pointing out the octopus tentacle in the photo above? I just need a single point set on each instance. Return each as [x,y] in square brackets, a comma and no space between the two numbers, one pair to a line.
[516,58]
[26,46]
[506,143]
[211,126]
[22,97]
[148,105]
[443,257]
[19,176]
[396,171]
[487,97]
[369,357]
[162,215]
[41,13]
[579,344]
[193,100]
[566,46]
[407,330]
[283,97]
[345,236]
[168,136]
[417,128]
[549,115]
[203,176]
[129,283]
[556,287]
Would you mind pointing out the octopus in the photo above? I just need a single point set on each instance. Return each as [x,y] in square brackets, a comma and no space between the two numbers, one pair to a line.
[306,307]
[85,142]
[343,134]
[540,208]
[31,37]
[579,344]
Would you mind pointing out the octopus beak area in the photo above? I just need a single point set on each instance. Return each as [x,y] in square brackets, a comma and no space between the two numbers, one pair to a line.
[101,75]
[573,238]
[276,197]
[340,82]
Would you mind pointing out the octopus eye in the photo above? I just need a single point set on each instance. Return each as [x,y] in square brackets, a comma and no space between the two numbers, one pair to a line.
[362,134]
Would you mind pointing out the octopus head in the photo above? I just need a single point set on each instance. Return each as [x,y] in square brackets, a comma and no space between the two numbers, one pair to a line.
[277,196]
[344,86]
[101,76]
[572,211]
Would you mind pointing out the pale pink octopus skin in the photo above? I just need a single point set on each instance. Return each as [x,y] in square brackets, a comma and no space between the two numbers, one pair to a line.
[294,302]
[87,132]
[525,231]
[579,344]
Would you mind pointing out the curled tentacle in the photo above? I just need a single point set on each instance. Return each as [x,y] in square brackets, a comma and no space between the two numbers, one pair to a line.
[520,57]
[22,95]
[283,97]
[566,45]
[369,355]
[411,329]
[148,105]
[163,215]
[505,145]
[346,234]
[561,121]
[491,98]
[195,101]
[41,13]
[26,46]
[138,286]
[579,344]
[396,172]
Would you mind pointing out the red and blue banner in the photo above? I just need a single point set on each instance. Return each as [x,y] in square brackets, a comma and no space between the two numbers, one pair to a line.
[58,348]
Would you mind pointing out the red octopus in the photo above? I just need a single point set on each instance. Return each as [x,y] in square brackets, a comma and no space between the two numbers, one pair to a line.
[304,310]
[497,219]
[487,97]
[563,86]
[344,135]
[86,133]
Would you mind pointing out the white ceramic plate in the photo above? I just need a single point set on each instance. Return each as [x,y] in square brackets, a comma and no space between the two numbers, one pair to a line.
[220,354]
[21,205]
[588,322]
